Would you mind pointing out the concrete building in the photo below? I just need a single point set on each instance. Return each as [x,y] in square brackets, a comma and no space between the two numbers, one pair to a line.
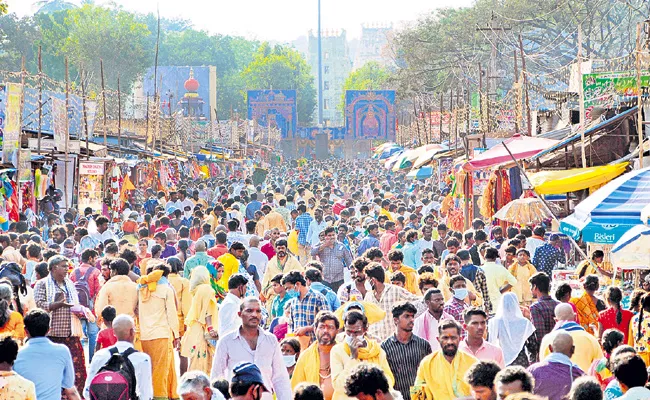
[374,45]
[337,65]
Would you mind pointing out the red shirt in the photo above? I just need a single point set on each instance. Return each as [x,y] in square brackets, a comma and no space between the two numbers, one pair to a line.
[217,251]
[93,278]
[106,338]
[268,250]
[607,319]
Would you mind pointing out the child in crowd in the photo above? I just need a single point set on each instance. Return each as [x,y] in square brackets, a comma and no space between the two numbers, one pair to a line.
[106,337]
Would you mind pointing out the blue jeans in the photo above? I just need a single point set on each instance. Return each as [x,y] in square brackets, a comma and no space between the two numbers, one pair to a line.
[90,330]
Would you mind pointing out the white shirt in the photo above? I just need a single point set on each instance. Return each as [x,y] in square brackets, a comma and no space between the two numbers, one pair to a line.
[141,363]
[532,244]
[636,393]
[102,237]
[258,259]
[314,230]
[233,349]
[228,314]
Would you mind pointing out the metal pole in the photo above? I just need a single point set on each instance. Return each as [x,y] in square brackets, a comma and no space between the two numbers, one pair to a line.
[320,70]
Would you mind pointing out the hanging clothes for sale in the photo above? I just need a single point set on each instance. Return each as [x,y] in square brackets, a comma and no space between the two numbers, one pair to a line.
[515,182]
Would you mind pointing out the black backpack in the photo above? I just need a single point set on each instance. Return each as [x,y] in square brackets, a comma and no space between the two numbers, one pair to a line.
[116,379]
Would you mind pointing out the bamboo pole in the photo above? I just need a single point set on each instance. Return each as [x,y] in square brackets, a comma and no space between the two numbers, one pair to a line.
[639,123]
[67,132]
[525,83]
[101,67]
[119,118]
[83,109]
[40,100]
[23,72]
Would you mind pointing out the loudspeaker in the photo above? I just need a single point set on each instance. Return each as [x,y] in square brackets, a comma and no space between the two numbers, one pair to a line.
[322,146]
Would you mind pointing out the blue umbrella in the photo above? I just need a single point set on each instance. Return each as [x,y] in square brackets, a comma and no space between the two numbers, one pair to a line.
[616,206]
[389,152]
[421,173]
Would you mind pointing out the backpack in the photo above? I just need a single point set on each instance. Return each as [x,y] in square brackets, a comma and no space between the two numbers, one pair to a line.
[150,205]
[83,288]
[116,379]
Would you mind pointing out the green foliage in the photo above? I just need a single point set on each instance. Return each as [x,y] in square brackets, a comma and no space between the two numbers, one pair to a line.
[371,76]
[3,7]
[283,68]
[442,50]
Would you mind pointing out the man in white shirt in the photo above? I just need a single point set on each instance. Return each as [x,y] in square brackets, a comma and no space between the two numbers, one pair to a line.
[124,329]
[229,310]
[250,344]
[102,233]
[316,226]
[255,255]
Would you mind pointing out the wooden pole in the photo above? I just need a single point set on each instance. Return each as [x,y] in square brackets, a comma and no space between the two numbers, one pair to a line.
[146,137]
[417,123]
[119,118]
[67,132]
[639,95]
[442,106]
[40,99]
[525,83]
[83,109]
[101,67]
[518,104]
[23,72]
[481,122]
[581,94]
[451,112]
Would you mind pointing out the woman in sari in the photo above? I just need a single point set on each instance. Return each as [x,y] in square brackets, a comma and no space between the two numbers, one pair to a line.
[198,342]
[511,331]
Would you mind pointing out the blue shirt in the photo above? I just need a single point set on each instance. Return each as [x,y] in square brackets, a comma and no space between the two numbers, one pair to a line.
[302,225]
[251,208]
[368,242]
[412,255]
[332,298]
[547,257]
[48,365]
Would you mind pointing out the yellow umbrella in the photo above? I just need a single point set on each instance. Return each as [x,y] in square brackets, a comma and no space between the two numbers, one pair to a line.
[557,182]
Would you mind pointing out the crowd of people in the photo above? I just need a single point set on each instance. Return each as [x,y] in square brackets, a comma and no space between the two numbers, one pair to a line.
[328,280]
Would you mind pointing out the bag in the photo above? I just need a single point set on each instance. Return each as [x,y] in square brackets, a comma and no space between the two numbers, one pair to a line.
[76,328]
[83,288]
[13,272]
[116,379]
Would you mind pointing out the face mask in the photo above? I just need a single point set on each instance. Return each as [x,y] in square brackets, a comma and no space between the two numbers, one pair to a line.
[68,252]
[282,254]
[289,361]
[460,294]
[292,293]
[349,339]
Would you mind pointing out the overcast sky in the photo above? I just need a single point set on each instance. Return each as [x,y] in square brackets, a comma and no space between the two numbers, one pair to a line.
[281,20]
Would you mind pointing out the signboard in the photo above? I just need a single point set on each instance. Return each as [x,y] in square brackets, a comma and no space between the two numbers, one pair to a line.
[47,145]
[25,167]
[91,184]
[608,89]
[11,131]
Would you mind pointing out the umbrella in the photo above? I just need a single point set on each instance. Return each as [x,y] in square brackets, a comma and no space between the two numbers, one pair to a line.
[520,146]
[405,160]
[385,146]
[427,155]
[389,152]
[421,173]
[523,211]
[391,160]
[619,204]
[631,250]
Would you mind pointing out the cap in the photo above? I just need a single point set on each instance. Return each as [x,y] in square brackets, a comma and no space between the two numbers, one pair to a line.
[419,204]
[248,373]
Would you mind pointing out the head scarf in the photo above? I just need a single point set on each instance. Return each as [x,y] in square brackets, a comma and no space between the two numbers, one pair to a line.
[509,329]
[200,276]
[212,269]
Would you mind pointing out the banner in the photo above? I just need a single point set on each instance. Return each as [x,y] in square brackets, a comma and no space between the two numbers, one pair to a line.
[11,131]
[91,184]
[60,128]
[25,166]
[609,89]
[3,112]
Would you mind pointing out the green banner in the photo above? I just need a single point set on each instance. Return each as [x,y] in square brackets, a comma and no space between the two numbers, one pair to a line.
[609,89]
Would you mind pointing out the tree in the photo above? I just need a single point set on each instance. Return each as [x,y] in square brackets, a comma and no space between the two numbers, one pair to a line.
[283,68]
[3,7]
[371,76]
[90,33]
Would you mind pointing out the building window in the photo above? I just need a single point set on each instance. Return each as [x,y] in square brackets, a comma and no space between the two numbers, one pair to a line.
[326,85]
[326,69]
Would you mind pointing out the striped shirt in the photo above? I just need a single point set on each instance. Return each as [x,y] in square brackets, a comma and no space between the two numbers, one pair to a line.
[404,359]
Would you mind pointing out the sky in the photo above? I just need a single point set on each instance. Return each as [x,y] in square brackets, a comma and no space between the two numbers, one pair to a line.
[278,20]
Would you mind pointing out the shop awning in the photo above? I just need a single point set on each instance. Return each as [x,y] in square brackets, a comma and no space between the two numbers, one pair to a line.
[556,182]
[603,125]
[520,146]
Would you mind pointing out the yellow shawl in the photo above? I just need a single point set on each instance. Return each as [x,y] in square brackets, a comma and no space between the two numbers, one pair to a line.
[148,283]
